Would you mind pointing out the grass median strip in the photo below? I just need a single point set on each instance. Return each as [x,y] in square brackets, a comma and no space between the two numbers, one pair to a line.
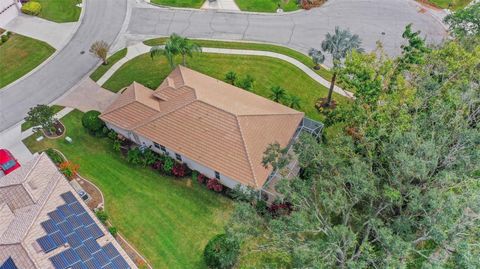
[20,55]
[60,10]
[179,3]
[102,69]
[266,5]
[304,59]
[168,220]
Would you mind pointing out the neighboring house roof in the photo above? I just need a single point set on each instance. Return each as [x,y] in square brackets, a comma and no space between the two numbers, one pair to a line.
[27,198]
[207,120]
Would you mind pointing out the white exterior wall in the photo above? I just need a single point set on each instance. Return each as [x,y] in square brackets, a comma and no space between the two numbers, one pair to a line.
[226,181]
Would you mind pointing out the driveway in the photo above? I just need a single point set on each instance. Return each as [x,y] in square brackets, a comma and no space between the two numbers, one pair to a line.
[103,20]
[373,20]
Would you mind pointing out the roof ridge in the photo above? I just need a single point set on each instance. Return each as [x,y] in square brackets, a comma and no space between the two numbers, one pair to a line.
[28,174]
[119,93]
[246,152]
[271,114]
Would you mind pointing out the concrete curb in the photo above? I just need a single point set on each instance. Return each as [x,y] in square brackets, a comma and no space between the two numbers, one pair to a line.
[57,51]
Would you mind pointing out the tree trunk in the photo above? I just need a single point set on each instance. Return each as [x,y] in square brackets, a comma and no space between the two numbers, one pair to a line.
[330,91]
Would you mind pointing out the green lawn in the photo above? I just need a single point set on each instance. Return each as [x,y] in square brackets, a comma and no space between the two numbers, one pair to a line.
[168,220]
[267,72]
[102,69]
[450,4]
[60,10]
[180,3]
[19,55]
[27,125]
[304,59]
[266,5]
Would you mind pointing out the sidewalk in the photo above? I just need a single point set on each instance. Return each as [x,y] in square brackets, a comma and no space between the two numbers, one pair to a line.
[141,48]
[221,5]
[55,34]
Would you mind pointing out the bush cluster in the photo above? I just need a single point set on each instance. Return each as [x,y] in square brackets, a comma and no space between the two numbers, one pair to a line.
[54,156]
[94,124]
[211,183]
[32,8]
[221,252]
[69,169]
[102,216]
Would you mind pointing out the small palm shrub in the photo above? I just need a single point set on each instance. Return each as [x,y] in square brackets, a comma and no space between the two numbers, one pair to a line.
[32,8]
[221,252]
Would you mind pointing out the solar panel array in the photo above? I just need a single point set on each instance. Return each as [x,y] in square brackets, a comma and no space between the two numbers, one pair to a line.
[8,264]
[71,224]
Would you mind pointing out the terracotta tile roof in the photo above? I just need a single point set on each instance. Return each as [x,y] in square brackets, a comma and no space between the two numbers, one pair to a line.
[209,121]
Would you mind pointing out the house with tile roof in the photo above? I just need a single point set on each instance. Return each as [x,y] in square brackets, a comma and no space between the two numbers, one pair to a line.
[44,224]
[214,127]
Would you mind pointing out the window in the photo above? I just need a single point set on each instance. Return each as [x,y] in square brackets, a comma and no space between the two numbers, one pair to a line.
[178,157]
[163,148]
[155,144]
[217,175]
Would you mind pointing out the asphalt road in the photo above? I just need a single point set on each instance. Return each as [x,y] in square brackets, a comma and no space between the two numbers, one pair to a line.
[103,20]
[382,20]
[372,20]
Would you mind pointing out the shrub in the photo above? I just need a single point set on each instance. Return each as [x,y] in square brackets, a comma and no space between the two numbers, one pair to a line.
[102,216]
[168,165]
[134,156]
[116,145]
[221,252]
[69,169]
[92,122]
[213,184]
[179,170]
[261,207]
[202,179]
[54,156]
[158,165]
[32,8]
[231,77]
[149,157]
[113,231]
[4,38]
[280,209]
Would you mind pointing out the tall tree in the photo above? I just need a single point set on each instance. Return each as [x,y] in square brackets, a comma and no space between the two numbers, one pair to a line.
[465,22]
[402,192]
[317,57]
[41,115]
[277,94]
[338,45]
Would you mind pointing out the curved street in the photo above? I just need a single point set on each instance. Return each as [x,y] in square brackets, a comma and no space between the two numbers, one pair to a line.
[373,20]
[102,20]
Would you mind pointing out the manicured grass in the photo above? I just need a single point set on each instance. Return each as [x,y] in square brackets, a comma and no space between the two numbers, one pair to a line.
[180,3]
[304,59]
[168,220]
[450,4]
[27,125]
[19,55]
[102,69]
[60,10]
[266,5]
[267,72]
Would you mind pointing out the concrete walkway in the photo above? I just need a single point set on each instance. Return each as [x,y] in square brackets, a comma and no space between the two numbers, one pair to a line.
[86,96]
[55,34]
[221,5]
[140,48]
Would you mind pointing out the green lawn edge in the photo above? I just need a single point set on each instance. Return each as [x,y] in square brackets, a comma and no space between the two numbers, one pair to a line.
[304,59]
[60,11]
[20,55]
[180,3]
[102,69]
[267,5]
[168,220]
[27,125]
[450,4]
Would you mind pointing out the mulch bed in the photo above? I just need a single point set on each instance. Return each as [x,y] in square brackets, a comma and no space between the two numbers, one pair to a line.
[95,195]
[59,130]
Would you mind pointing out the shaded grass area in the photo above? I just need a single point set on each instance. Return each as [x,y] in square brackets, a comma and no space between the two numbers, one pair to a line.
[267,72]
[180,3]
[102,69]
[450,4]
[19,55]
[60,10]
[168,220]
[27,124]
[266,5]
[304,59]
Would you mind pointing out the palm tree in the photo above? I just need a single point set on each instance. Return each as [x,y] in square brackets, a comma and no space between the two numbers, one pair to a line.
[339,45]
[278,93]
[294,101]
[175,45]
[317,57]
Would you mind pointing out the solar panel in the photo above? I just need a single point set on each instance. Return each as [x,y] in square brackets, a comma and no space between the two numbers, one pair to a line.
[101,257]
[109,266]
[74,240]
[58,238]
[110,250]
[79,265]
[75,221]
[83,233]
[92,245]
[59,261]
[120,263]
[68,197]
[65,227]
[71,256]
[46,243]
[8,264]
[92,264]
[49,226]
[65,210]
[56,216]
[77,208]
[94,230]
[86,219]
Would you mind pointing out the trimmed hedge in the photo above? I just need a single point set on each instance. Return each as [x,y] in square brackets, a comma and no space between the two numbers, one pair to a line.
[92,122]
[32,8]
